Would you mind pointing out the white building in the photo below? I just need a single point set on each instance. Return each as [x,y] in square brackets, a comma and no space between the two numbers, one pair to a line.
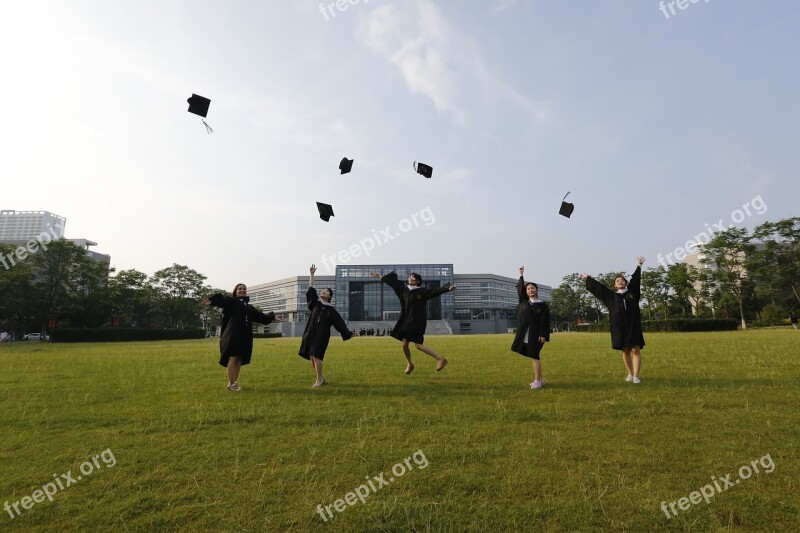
[22,226]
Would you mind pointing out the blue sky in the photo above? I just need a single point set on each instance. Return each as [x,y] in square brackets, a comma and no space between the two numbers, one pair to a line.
[658,126]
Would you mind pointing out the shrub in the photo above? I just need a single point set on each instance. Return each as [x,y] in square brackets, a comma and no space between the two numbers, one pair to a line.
[123,334]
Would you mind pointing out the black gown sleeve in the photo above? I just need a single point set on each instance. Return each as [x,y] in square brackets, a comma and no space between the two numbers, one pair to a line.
[433,293]
[521,289]
[261,318]
[218,300]
[341,327]
[397,286]
[635,285]
[311,298]
[601,292]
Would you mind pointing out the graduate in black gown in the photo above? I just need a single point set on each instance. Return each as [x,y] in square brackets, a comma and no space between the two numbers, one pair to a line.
[624,316]
[413,314]
[236,340]
[318,328]
[533,326]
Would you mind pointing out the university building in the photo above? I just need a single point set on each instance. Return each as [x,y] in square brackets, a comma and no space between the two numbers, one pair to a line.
[482,303]
[18,228]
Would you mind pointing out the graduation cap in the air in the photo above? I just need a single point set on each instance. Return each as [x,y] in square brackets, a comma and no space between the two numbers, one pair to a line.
[422,168]
[199,106]
[325,211]
[345,165]
[566,207]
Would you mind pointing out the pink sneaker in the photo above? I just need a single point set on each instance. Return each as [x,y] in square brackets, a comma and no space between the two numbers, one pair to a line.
[537,384]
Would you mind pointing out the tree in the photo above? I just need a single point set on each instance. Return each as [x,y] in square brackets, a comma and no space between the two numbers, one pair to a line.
[779,259]
[16,289]
[89,305]
[727,254]
[178,290]
[680,280]
[654,287]
[703,283]
[57,275]
[131,298]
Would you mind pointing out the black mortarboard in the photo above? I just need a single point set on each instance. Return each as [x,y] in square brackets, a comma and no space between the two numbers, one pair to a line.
[325,211]
[345,165]
[422,168]
[566,207]
[199,106]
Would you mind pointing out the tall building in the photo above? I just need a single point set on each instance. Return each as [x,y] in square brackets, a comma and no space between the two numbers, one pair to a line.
[482,303]
[19,227]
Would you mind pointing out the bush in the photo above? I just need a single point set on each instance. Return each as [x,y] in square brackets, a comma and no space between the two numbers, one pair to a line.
[593,328]
[123,334]
[691,324]
[773,315]
[267,335]
[672,324]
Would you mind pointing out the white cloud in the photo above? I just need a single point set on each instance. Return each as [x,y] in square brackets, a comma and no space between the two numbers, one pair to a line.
[502,5]
[437,60]
[416,40]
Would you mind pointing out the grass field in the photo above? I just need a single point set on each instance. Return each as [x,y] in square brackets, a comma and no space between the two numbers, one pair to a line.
[479,451]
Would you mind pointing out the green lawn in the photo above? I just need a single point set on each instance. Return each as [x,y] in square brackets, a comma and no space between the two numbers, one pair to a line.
[587,452]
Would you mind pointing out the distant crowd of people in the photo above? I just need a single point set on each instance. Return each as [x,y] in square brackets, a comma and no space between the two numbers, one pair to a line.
[372,332]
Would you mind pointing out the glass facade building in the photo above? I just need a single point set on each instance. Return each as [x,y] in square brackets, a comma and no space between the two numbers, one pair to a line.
[360,297]
[482,303]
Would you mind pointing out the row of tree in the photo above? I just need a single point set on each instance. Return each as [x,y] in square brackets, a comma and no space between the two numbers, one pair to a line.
[61,286]
[750,276]
[744,275]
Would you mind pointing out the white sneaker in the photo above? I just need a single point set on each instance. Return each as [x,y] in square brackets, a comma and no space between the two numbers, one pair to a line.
[235,387]
[636,380]
[629,378]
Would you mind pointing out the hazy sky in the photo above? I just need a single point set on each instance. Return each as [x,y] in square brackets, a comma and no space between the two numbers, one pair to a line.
[660,125]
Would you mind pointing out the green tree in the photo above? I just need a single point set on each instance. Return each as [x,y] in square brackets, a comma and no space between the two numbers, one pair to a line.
[178,291]
[17,306]
[654,287]
[89,306]
[727,255]
[778,261]
[131,298]
[58,275]
[680,280]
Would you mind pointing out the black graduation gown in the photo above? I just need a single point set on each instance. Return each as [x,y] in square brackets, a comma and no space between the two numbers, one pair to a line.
[623,311]
[318,328]
[413,308]
[237,327]
[533,320]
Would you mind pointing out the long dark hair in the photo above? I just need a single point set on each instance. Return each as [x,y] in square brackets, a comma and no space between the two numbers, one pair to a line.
[237,286]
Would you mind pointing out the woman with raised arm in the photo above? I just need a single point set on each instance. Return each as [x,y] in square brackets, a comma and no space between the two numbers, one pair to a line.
[413,319]
[236,340]
[533,326]
[318,328]
[624,316]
